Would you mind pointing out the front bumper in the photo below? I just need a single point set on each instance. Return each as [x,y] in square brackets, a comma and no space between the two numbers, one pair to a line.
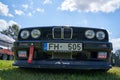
[65,64]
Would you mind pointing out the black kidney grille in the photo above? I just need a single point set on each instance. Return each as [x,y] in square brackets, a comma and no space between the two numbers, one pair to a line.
[67,33]
[62,33]
[57,33]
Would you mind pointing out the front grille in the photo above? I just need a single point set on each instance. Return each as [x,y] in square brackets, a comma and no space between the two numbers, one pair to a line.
[68,33]
[57,33]
[62,33]
[61,56]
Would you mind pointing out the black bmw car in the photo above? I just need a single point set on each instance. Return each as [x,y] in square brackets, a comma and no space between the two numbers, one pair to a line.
[63,47]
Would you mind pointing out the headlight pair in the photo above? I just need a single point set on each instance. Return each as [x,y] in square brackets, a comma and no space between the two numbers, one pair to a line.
[35,33]
[90,34]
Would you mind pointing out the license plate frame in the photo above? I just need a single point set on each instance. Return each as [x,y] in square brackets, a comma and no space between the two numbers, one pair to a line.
[63,47]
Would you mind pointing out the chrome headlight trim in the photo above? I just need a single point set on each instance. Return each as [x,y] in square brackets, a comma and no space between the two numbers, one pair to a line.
[90,34]
[100,35]
[35,33]
[24,34]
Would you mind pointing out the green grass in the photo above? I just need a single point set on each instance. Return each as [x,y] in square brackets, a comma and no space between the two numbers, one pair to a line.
[9,72]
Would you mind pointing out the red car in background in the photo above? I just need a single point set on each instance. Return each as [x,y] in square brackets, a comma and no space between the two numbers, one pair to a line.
[6,44]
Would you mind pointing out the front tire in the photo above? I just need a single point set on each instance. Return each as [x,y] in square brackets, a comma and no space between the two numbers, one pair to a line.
[10,57]
[0,56]
[4,57]
[102,70]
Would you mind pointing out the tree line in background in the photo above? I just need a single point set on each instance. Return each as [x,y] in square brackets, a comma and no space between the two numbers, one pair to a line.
[11,31]
[116,58]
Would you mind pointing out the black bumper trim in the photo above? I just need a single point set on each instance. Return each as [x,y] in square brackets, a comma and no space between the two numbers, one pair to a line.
[104,46]
[56,64]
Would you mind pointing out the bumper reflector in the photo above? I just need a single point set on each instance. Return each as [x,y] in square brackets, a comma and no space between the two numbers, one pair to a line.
[22,54]
[31,52]
[102,55]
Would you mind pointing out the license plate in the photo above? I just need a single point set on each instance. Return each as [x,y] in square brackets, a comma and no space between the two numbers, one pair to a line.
[22,54]
[63,46]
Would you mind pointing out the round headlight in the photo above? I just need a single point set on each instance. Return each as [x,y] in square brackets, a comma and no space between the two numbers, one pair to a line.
[35,33]
[24,34]
[90,34]
[100,35]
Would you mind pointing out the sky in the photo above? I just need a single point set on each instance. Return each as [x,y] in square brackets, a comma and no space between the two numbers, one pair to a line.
[84,13]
